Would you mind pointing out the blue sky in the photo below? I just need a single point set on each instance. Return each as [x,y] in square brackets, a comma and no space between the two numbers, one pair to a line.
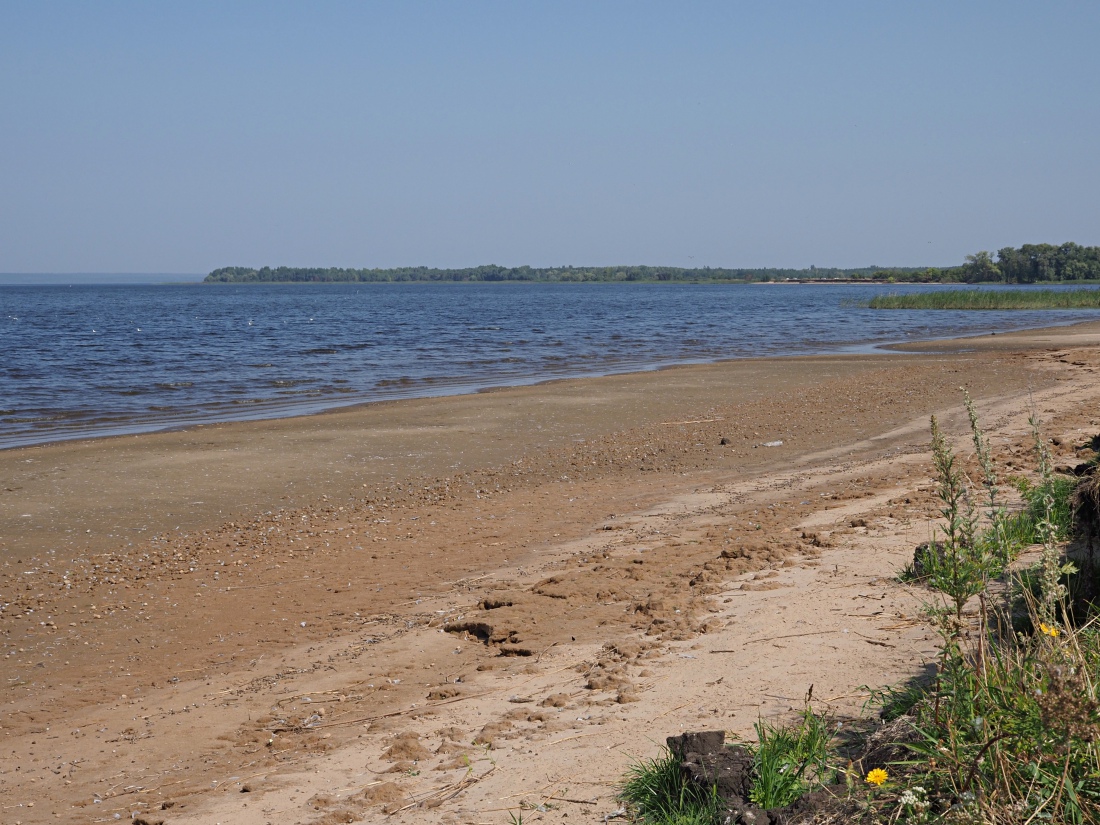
[179,137]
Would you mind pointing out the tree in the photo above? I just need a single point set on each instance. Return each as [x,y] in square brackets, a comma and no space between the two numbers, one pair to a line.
[980,267]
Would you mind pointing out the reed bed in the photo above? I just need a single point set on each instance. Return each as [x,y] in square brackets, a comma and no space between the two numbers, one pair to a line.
[991,299]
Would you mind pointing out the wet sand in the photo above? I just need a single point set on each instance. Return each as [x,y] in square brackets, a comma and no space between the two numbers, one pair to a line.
[514,568]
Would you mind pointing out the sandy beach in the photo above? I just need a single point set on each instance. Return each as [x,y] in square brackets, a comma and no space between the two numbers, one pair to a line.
[458,609]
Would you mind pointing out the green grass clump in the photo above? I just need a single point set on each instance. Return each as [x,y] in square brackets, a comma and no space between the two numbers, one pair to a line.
[790,760]
[1022,528]
[659,794]
[991,299]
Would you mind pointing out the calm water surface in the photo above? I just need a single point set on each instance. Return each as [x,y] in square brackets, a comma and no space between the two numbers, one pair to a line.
[97,360]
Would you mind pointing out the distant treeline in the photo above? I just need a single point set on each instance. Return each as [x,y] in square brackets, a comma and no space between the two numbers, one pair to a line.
[1031,263]
[559,274]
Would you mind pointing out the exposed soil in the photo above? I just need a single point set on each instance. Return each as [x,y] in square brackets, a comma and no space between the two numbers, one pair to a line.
[450,610]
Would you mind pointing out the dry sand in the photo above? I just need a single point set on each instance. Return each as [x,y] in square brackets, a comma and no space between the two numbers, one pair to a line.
[452,610]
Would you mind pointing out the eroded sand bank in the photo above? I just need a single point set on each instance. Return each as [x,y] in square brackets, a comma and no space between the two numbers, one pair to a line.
[452,608]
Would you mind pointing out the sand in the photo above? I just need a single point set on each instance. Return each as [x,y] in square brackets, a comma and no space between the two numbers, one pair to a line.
[452,610]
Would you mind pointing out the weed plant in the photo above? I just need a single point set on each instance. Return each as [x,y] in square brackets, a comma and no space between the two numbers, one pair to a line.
[1010,730]
[959,563]
[1022,528]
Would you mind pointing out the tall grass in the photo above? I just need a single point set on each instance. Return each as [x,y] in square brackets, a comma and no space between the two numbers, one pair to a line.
[1010,730]
[991,299]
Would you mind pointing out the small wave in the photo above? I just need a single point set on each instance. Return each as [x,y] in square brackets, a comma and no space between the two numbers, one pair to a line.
[175,385]
[403,381]
[320,351]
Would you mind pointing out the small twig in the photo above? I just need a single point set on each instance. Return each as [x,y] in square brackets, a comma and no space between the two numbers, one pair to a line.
[845,696]
[578,736]
[678,707]
[574,801]
[557,783]
[773,638]
[872,641]
[449,792]
[544,650]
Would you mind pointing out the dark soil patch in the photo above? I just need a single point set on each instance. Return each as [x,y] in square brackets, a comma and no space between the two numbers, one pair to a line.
[707,762]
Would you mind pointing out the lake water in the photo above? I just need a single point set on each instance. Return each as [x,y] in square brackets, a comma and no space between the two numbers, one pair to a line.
[98,360]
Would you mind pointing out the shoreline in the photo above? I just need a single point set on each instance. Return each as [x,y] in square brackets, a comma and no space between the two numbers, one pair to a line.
[92,492]
[544,570]
[296,410]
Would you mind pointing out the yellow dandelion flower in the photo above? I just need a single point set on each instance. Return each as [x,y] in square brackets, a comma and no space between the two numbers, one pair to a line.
[1049,630]
[876,777]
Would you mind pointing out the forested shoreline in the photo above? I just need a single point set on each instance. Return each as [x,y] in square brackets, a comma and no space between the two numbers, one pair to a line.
[562,274]
[1031,263]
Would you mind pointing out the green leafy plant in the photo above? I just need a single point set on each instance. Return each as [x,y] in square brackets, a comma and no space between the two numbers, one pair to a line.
[790,759]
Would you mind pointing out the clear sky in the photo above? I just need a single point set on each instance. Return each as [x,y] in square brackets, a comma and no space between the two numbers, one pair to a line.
[180,137]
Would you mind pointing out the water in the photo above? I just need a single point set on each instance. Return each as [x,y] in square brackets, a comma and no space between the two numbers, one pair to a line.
[99,360]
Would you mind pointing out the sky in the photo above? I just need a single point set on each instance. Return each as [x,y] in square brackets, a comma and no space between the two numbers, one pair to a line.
[181,137]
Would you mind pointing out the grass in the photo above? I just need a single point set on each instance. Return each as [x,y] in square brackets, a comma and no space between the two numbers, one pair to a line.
[1023,527]
[790,759]
[658,794]
[1007,727]
[1009,731]
[991,299]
